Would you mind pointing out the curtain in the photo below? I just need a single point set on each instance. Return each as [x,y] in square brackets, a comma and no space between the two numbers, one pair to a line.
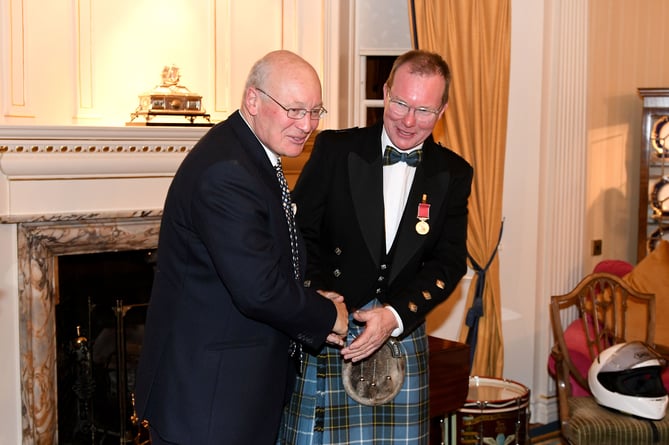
[473,36]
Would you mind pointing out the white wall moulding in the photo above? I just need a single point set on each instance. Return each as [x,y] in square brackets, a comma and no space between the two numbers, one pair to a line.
[562,174]
[222,58]
[82,152]
[85,72]
[17,94]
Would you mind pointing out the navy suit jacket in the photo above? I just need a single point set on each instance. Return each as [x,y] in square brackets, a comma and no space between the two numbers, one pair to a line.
[214,367]
[339,197]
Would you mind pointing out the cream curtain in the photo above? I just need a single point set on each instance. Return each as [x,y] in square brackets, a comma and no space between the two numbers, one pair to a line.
[474,38]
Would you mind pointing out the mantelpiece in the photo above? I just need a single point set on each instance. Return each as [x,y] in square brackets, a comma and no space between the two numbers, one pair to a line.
[62,170]
[56,170]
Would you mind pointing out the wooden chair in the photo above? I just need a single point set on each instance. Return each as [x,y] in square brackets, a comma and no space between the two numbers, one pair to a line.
[603,305]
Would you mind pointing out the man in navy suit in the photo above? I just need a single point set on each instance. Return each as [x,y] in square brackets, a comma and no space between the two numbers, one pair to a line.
[383,210]
[228,313]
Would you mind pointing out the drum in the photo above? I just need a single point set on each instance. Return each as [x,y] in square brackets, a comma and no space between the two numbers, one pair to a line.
[496,412]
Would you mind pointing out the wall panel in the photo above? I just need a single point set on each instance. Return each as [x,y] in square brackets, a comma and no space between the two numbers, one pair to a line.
[625,53]
[87,62]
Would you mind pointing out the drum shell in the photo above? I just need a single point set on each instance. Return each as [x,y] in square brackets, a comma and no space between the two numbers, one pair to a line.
[495,409]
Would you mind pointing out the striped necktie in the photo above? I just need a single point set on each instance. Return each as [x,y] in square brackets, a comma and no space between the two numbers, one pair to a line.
[287,208]
[294,348]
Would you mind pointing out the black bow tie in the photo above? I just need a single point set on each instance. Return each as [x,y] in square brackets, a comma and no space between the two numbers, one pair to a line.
[392,155]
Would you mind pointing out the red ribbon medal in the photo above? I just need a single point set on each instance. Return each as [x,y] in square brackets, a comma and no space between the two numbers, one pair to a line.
[422,227]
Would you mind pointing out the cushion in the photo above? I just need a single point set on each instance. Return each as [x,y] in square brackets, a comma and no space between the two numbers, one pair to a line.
[615,267]
[651,276]
[578,351]
[595,425]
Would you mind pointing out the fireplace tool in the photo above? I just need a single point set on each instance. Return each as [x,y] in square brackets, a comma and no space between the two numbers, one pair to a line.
[141,437]
[83,387]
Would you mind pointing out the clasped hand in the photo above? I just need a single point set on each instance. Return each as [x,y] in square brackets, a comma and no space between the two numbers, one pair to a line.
[379,324]
[340,328]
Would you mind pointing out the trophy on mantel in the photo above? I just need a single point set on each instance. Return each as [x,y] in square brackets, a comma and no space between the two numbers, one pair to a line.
[169,99]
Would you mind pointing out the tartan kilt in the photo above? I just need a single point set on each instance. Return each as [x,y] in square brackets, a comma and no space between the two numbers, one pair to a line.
[321,413]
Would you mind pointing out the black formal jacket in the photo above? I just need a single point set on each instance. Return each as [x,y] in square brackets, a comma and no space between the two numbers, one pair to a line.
[339,198]
[214,367]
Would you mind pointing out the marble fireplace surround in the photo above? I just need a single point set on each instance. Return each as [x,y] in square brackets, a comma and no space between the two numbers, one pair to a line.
[38,246]
[71,191]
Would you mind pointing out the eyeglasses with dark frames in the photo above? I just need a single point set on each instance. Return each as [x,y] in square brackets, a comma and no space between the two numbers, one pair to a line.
[400,109]
[298,113]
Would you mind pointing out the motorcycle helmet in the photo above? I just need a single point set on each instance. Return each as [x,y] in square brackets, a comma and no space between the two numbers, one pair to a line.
[626,377]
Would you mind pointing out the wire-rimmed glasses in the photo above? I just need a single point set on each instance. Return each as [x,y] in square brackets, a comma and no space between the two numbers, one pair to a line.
[400,109]
[298,113]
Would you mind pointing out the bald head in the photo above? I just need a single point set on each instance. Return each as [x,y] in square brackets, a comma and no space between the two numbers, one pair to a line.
[279,81]
[278,67]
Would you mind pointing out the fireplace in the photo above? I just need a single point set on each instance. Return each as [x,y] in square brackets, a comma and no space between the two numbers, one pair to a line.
[68,191]
[64,193]
[39,247]
[101,303]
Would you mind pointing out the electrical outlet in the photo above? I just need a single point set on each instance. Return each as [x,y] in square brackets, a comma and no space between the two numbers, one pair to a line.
[596,247]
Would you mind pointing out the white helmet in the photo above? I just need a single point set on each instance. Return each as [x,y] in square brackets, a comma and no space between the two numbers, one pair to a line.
[626,377]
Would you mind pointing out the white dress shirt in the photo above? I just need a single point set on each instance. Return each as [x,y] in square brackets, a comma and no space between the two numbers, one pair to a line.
[397,180]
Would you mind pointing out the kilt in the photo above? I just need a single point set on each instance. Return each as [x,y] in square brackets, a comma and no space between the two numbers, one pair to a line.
[321,413]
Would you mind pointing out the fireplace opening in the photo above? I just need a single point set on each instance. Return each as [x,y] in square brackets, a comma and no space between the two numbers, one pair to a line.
[101,307]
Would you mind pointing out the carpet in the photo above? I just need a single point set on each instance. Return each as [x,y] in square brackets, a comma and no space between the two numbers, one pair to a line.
[553,439]
[548,434]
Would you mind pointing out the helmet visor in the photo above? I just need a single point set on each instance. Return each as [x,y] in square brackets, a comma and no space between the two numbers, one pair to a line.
[641,382]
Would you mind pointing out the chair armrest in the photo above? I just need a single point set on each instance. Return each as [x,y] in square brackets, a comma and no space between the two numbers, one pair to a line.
[563,383]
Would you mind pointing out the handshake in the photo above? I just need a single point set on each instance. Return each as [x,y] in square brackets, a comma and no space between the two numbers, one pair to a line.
[340,329]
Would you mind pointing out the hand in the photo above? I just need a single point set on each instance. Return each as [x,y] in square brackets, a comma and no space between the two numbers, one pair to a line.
[335,339]
[379,324]
[340,328]
[332,295]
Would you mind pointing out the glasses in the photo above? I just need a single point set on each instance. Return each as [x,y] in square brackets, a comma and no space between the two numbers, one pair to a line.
[298,113]
[400,109]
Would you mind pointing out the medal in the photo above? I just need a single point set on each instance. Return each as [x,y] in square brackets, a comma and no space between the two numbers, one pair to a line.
[422,227]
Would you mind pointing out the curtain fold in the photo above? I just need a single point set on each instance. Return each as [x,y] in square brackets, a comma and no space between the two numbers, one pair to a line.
[474,37]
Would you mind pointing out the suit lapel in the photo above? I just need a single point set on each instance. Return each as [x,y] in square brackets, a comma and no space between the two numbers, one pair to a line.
[366,185]
[427,181]
[255,151]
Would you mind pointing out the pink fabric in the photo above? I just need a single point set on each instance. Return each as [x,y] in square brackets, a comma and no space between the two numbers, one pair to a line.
[578,350]
[615,267]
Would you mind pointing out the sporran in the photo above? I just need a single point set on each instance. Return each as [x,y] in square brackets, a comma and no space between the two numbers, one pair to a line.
[378,378]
